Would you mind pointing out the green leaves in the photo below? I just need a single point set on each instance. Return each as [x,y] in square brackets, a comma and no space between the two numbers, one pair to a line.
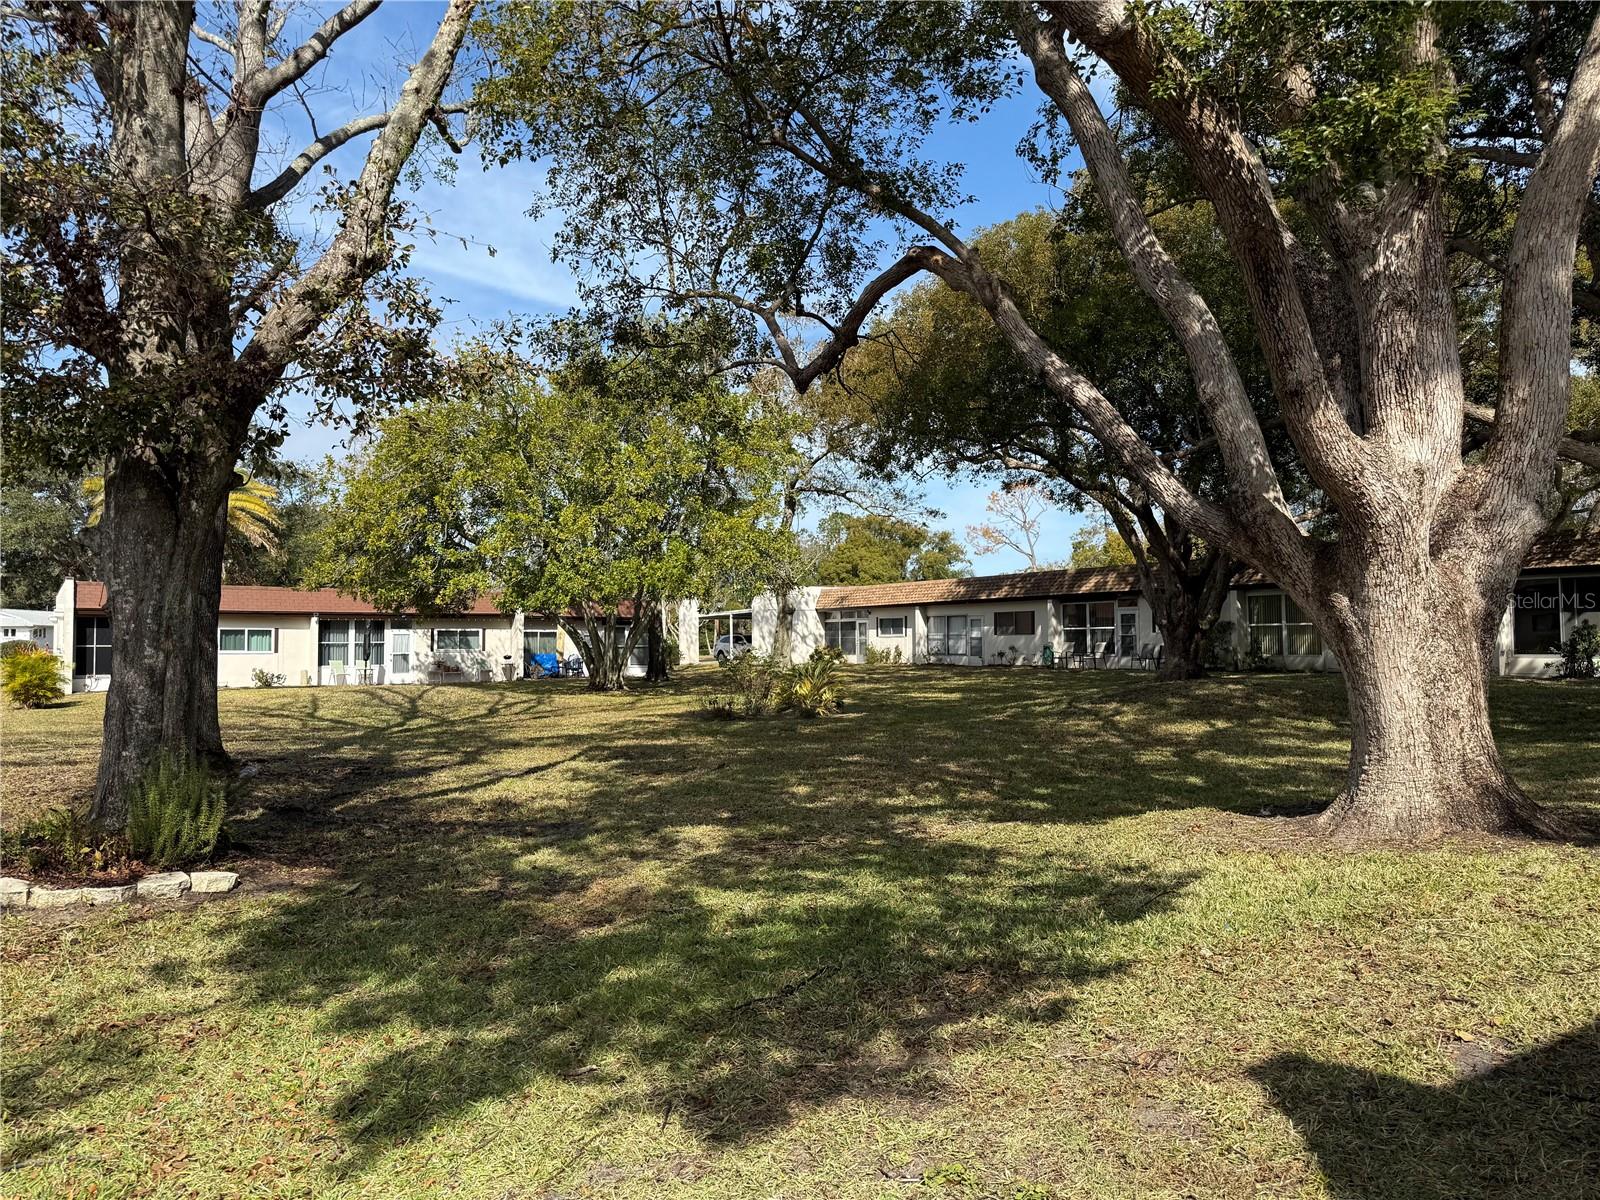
[616,475]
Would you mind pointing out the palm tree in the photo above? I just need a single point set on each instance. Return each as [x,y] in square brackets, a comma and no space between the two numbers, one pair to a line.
[252,508]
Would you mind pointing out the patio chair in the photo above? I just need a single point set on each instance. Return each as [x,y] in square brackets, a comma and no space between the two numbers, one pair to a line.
[574,665]
[1146,655]
[1107,652]
[1047,658]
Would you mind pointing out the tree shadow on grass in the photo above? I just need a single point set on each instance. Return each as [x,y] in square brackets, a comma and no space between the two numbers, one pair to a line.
[1520,1127]
[722,924]
[735,987]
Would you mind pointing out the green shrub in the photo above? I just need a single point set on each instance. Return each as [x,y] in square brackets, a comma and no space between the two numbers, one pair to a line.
[877,657]
[175,814]
[748,686]
[61,840]
[812,688]
[7,649]
[266,679]
[31,678]
[827,654]
[1220,651]
[1579,651]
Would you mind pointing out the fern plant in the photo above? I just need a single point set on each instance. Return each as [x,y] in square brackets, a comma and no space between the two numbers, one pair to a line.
[175,814]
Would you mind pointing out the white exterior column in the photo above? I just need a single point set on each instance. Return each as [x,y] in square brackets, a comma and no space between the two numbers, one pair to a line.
[66,610]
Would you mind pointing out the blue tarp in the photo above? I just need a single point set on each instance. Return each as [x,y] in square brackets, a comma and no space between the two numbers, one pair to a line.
[547,664]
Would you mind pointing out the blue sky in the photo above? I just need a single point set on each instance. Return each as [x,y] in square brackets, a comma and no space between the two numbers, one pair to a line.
[483,208]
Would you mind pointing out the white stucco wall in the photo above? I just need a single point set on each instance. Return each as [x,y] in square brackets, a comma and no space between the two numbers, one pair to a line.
[295,650]
[912,643]
[806,632]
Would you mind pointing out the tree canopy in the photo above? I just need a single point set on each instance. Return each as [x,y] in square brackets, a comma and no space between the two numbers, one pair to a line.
[594,489]
[860,548]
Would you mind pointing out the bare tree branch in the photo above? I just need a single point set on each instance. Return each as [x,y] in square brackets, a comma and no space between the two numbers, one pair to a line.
[266,84]
[286,180]
[1219,387]
[359,245]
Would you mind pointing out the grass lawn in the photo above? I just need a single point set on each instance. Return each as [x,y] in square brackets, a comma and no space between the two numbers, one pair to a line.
[987,934]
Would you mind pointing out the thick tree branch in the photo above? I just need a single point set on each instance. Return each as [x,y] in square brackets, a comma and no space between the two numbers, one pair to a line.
[1587,453]
[287,179]
[1535,341]
[361,245]
[1234,179]
[1218,385]
[264,85]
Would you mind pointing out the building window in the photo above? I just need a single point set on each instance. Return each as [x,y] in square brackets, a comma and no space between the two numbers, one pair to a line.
[955,637]
[1128,632]
[366,643]
[458,639]
[1278,627]
[333,644]
[1536,617]
[1014,624]
[844,630]
[891,627]
[1580,595]
[539,641]
[246,641]
[91,650]
[1088,627]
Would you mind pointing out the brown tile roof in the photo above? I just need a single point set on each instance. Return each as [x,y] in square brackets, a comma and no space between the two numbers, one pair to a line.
[1020,585]
[1551,551]
[1565,550]
[1557,550]
[91,599]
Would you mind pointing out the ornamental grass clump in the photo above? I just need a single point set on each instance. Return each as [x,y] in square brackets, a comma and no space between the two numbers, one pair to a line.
[175,813]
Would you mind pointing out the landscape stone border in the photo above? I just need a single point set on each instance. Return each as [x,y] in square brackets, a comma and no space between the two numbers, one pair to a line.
[169,885]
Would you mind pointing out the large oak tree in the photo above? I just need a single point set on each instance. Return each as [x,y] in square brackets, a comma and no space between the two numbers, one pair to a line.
[155,297]
[764,157]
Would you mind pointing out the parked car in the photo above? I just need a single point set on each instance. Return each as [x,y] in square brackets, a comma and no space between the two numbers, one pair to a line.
[730,645]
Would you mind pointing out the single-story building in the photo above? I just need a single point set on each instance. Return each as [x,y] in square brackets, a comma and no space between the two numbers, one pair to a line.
[323,637]
[36,625]
[1014,618]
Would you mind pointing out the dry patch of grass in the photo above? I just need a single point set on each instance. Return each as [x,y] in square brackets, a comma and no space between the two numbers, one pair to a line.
[994,933]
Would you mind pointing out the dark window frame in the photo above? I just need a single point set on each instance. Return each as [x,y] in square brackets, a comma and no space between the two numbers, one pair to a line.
[1009,623]
[98,650]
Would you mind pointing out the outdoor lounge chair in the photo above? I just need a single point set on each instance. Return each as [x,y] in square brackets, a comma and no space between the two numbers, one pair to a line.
[1107,651]
[1146,655]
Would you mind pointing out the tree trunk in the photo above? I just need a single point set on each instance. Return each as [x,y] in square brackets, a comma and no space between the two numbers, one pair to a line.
[783,631]
[1183,629]
[208,600]
[1415,647]
[159,552]
[656,669]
